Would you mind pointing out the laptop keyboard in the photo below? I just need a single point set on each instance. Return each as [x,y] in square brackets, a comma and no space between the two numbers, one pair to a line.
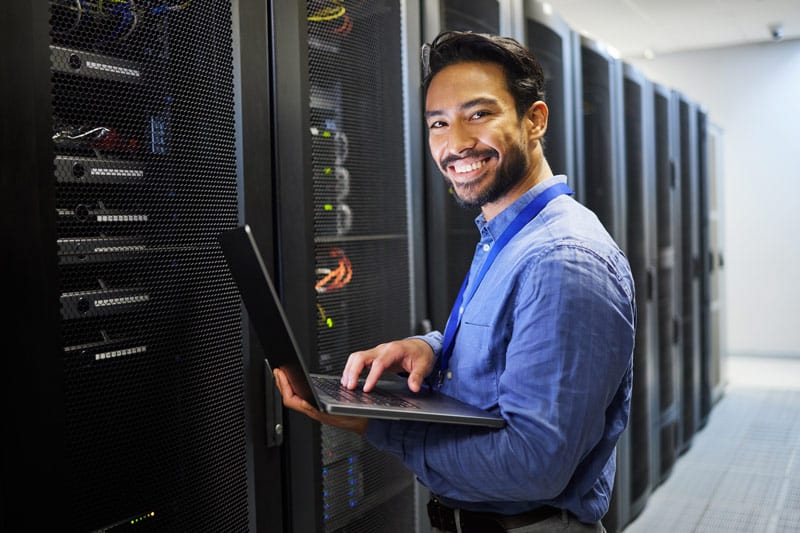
[335,390]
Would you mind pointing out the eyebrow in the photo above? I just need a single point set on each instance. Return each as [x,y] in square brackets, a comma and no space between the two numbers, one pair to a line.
[466,105]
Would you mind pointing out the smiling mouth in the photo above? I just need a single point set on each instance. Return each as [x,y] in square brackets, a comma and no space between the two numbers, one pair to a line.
[461,168]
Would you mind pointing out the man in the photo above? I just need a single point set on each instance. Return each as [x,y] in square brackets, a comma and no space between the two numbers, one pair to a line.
[542,333]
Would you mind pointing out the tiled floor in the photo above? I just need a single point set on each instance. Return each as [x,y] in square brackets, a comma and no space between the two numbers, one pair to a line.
[742,473]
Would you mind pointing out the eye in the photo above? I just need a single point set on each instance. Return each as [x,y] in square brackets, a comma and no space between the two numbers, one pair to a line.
[479,114]
[436,124]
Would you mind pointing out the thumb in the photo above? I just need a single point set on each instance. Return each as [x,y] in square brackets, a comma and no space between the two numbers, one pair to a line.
[415,380]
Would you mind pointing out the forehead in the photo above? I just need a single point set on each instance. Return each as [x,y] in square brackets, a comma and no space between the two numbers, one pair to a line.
[463,82]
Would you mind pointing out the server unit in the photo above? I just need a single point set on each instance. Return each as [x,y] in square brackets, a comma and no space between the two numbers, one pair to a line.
[343,192]
[642,254]
[691,270]
[125,366]
[602,172]
[668,280]
[552,42]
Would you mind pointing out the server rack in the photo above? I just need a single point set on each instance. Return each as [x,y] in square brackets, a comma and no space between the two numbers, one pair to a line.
[551,41]
[602,136]
[601,143]
[346,251]
[717,275]
[125,369]
[691,267]
[642,254]
[668,280]
[705,267]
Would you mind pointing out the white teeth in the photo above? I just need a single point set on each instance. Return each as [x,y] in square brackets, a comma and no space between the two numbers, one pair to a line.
[468,168]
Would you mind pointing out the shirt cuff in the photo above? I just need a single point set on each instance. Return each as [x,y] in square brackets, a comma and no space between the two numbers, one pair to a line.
[433,339]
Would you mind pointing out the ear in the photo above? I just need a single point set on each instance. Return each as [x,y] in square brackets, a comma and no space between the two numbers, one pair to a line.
[536,120]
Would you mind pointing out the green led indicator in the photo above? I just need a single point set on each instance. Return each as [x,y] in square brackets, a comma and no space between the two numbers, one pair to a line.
[329,322]
[328,207]
[141,518]
[326,134]
[328,170]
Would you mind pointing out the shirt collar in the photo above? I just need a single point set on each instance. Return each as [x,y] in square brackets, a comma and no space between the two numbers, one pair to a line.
[495,227]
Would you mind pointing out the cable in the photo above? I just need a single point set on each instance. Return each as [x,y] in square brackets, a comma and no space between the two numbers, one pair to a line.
[327,13]
[335,278]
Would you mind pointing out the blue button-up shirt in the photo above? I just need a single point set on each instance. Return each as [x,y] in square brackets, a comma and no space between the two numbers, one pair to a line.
[546,341]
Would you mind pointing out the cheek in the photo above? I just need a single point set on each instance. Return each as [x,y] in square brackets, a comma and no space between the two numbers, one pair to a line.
[435,146]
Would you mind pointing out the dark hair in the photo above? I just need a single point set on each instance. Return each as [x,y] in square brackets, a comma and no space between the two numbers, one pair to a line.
[524,75]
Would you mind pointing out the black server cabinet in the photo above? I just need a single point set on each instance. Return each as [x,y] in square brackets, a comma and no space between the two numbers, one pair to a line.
[690,267]
[642,254]
[668,280]
[552,41]
[705,267]
[600,138]
[451,231]
[124,366]
[345,251]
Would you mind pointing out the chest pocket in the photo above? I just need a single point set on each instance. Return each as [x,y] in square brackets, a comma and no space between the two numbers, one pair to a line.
[474,367]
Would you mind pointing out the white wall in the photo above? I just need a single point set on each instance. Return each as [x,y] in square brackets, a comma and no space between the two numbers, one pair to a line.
[753,94]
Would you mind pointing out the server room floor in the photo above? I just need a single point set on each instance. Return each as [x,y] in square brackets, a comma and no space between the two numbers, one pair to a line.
[742,472]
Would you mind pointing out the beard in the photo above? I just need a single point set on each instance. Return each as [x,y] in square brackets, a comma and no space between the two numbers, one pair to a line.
[511,172]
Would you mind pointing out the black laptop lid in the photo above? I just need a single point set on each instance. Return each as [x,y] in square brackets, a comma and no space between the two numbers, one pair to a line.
[262,302]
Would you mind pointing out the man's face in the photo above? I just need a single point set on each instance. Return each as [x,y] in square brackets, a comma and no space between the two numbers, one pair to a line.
[475,134]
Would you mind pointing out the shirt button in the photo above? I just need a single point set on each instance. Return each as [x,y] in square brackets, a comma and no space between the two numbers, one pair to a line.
[486,247]
[461,310]
[449,374]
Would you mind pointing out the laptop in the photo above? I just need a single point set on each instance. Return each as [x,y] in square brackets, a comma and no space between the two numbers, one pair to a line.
[391,399]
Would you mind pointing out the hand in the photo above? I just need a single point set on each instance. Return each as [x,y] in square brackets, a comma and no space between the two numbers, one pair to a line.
[414,356]
[296,403]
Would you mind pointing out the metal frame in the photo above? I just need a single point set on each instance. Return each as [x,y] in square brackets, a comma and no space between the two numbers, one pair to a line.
[252,33]
[294,229]
[33,466]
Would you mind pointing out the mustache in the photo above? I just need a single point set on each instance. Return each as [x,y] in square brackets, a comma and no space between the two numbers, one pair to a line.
[477,154]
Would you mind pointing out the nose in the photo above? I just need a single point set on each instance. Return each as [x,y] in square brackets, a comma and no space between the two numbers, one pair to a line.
[459,138]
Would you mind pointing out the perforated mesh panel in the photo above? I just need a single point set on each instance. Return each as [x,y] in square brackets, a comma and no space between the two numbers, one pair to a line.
[637,226]
[598,138]
[145,172]
[667,334]
[548,47]
[474,15]
[361,233]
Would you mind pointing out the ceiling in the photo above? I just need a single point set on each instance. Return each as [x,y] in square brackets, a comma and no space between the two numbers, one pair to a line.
[648,28]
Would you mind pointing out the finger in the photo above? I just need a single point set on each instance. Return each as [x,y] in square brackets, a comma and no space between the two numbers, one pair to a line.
[375,372]
[415,379]
[290,399]
[355,366]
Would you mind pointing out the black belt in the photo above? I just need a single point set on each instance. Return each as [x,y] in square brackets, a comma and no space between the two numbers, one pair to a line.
[444,518]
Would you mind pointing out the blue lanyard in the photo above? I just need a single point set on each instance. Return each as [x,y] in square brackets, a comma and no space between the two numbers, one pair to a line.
[454,322]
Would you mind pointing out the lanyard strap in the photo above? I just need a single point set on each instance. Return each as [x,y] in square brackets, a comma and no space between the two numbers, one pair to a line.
[454,322]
